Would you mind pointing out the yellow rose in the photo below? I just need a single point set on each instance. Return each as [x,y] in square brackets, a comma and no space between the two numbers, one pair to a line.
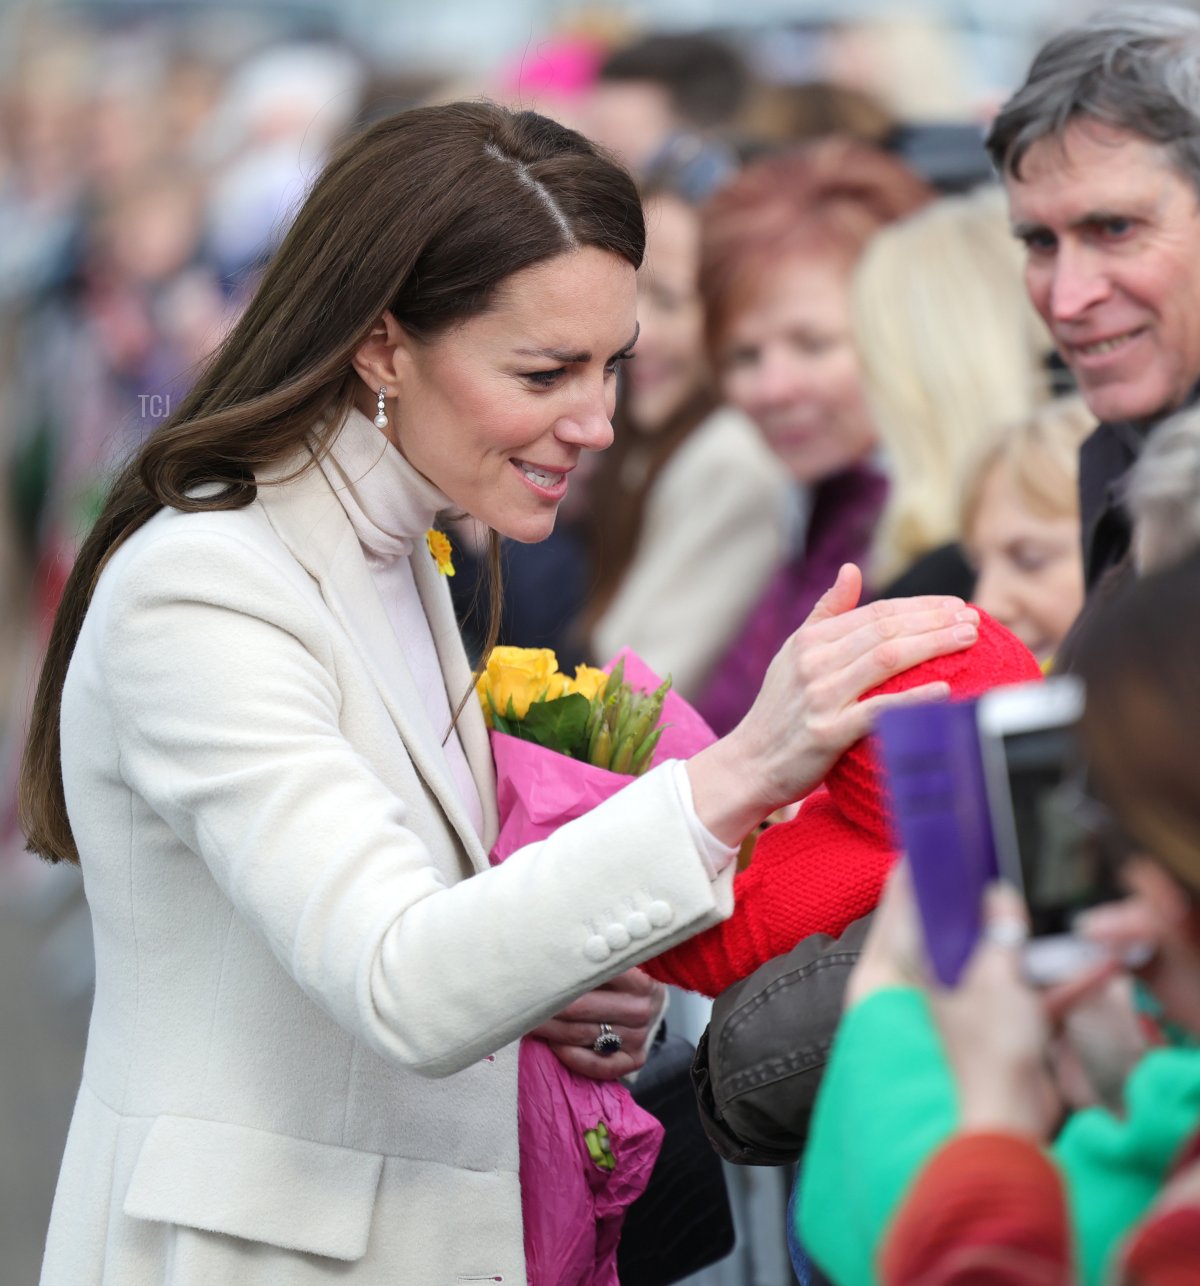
[557,685]
[588,681]
[537,662]
[521,675]
[508,684]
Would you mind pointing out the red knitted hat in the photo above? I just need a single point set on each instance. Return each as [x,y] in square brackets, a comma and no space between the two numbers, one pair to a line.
[827,867]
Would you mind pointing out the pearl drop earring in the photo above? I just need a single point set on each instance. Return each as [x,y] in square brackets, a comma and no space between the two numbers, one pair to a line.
[381,417]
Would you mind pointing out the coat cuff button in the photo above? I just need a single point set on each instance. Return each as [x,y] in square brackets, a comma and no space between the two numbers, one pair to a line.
[617,937]
[638,925]
[659,914]
[597,949]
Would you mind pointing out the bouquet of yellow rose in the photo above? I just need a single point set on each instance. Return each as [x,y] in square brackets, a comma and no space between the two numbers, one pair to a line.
[562,745]
[596,716]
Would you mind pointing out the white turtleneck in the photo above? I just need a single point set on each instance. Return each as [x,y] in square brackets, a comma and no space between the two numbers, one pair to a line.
[391,507]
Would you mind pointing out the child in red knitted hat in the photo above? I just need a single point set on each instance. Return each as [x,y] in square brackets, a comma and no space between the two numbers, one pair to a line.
[827,867]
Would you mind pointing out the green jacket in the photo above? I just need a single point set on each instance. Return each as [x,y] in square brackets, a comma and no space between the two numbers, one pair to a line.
[889,1100]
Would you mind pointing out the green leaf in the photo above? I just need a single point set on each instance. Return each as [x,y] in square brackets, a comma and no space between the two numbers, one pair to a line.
[506,723]
[560,724]
[499,723]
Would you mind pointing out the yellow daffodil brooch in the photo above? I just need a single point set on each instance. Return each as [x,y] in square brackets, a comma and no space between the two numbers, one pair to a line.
[439,547]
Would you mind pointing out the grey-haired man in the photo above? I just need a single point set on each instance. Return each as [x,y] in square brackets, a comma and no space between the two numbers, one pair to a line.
[1100,154]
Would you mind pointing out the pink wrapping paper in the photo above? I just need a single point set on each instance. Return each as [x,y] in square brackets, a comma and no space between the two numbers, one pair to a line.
[573,1209]
[539,790]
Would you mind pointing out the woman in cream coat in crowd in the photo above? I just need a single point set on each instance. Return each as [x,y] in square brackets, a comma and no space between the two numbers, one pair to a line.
[302,1060]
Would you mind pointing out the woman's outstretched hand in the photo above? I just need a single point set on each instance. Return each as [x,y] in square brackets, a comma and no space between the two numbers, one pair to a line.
[808,710]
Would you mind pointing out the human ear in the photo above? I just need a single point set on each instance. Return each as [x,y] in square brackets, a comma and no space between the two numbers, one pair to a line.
[380,357]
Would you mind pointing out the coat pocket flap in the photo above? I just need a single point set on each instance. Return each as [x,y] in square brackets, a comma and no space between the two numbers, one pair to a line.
[286,1192]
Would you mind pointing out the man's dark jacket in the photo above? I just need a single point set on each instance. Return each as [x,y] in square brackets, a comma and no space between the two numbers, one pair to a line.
[1104,461]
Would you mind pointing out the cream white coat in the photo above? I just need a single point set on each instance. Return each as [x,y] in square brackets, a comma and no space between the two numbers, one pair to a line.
[302,1065]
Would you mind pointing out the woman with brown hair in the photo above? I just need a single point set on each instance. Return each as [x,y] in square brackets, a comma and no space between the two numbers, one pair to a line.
[778,248]
[310,984]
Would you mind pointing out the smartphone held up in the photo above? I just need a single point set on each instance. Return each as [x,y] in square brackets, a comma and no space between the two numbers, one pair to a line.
[1046,843]
[996,788]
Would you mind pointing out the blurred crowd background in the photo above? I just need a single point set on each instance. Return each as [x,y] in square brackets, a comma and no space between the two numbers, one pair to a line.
[150,154]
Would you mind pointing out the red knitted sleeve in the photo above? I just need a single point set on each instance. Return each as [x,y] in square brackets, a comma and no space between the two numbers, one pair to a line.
[813,875]
[827,868]
[988,1210]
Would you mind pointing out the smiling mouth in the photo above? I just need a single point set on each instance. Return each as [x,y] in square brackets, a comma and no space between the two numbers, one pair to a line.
[1103,346]
[541,477]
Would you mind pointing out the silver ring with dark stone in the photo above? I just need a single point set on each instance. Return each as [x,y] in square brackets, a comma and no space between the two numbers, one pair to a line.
[608,1042]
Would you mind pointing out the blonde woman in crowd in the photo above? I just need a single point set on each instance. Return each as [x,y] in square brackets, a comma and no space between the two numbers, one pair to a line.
[949,347]
[1020,524]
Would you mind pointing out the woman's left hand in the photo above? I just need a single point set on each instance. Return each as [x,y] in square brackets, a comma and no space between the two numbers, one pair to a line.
[631,1004]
